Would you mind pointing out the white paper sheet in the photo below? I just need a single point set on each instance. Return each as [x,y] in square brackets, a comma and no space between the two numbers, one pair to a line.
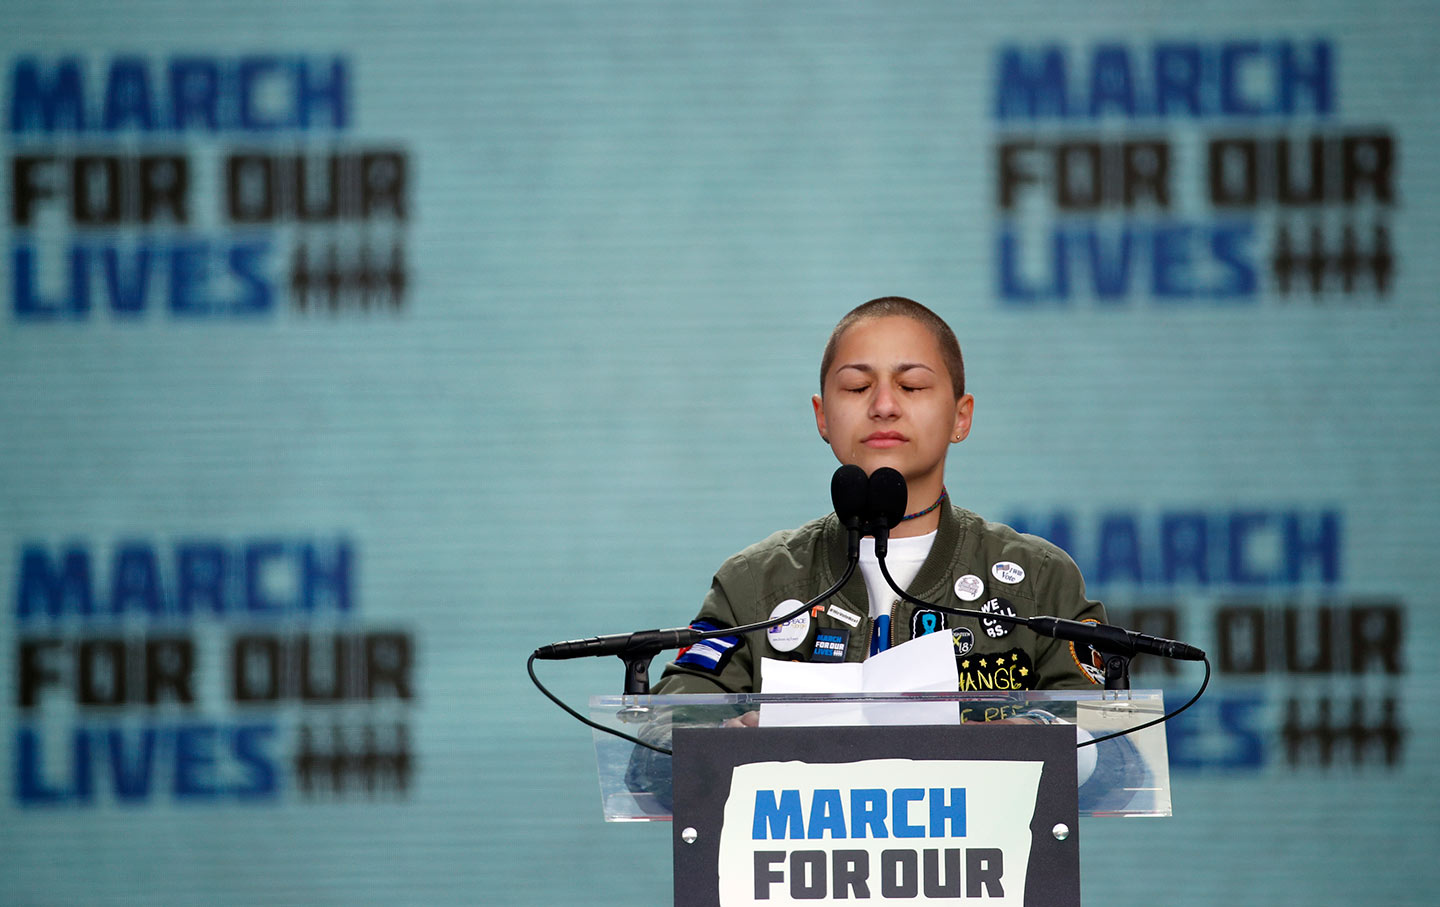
[926,664]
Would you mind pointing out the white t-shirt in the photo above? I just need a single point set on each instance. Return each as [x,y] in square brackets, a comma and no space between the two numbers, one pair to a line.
[903,561]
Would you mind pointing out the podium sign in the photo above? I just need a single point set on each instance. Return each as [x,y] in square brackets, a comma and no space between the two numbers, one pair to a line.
[927,815]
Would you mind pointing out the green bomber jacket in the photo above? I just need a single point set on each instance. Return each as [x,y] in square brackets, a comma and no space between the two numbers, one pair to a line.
[972,564]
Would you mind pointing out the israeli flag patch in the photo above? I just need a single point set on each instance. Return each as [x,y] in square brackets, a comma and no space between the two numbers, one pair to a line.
[709,654]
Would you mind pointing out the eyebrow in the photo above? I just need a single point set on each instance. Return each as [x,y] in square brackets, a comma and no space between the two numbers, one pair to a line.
[870,369]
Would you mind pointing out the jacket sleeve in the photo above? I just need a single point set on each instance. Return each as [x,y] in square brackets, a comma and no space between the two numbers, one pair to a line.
[1061,593]
[725,664]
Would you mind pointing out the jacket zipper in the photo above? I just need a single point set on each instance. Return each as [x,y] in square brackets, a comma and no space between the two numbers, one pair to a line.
[893,605]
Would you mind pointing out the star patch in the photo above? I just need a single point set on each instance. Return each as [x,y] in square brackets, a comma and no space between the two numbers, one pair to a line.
[1010,670]
[995,628]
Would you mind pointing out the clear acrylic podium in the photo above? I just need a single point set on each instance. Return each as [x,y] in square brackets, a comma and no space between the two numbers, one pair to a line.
[1138,787]
[861,797]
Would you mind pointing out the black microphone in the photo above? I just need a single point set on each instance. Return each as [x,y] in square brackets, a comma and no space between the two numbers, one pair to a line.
[652,641]
[1114,640]
[888,498]
[850,493]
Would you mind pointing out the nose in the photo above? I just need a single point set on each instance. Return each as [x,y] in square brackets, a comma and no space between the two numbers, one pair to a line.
[884,404]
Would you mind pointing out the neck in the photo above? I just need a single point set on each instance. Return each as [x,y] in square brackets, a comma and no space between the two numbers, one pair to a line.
[920,496]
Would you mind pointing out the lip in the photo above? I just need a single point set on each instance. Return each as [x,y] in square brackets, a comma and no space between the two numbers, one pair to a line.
[884,439]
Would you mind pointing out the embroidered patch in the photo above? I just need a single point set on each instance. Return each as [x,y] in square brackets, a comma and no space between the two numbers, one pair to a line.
[830,645]
[926,621]
[1008,572]
[1009,670]
[964,641]
[1092,665]
[788,636]
[969,587]
[709,654]
[845,617]
[996,628]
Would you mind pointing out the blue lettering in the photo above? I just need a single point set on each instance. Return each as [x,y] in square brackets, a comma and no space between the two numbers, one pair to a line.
[1312,542]
[827,814]
[1171,263]
[1244,78]
[1219,734]
[1030,84]
[256,93]
[777,819]
[127,279]
[30,787]
[132,777]
[135,580]
[1313,81]
[249,746]
[127,295]
[1119,557]
[44,589]
[867,813]
[195,761]
[1243,526]
[322,585]
[952,813]
[36,105]
[1177,79]
[1184,548]
[1110,82]
[194,93]
[330,95]
[900,800]
[127,96]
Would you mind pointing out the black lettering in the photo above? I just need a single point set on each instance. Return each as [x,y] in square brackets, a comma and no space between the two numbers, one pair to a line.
[1145,172]
[1367,162]
[1376,634]
[1234,173]
[807,875]
[1241,634]
[249,189]
[899,874]
[1012,176]
[26,189]
[382,184]
[164,185]
[35,672]
[1286,190]
[851,871]
[388,661]
[101,678]
[983,868]
[315,689]
[1313,654]
[765,876]
[169,668]
[949,885]
[255,669]
[95,190]
[1079,176]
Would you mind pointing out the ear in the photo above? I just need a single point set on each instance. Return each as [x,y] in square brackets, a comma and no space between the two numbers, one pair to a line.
[818,403]
[964,412]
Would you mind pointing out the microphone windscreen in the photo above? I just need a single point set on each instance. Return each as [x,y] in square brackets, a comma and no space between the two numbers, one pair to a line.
[887,497]
[850,493]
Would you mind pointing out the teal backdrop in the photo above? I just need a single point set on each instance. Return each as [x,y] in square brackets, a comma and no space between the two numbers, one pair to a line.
[351,350]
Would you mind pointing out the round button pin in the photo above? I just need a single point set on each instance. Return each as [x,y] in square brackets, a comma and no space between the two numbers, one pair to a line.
[969,588]
[788,636]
